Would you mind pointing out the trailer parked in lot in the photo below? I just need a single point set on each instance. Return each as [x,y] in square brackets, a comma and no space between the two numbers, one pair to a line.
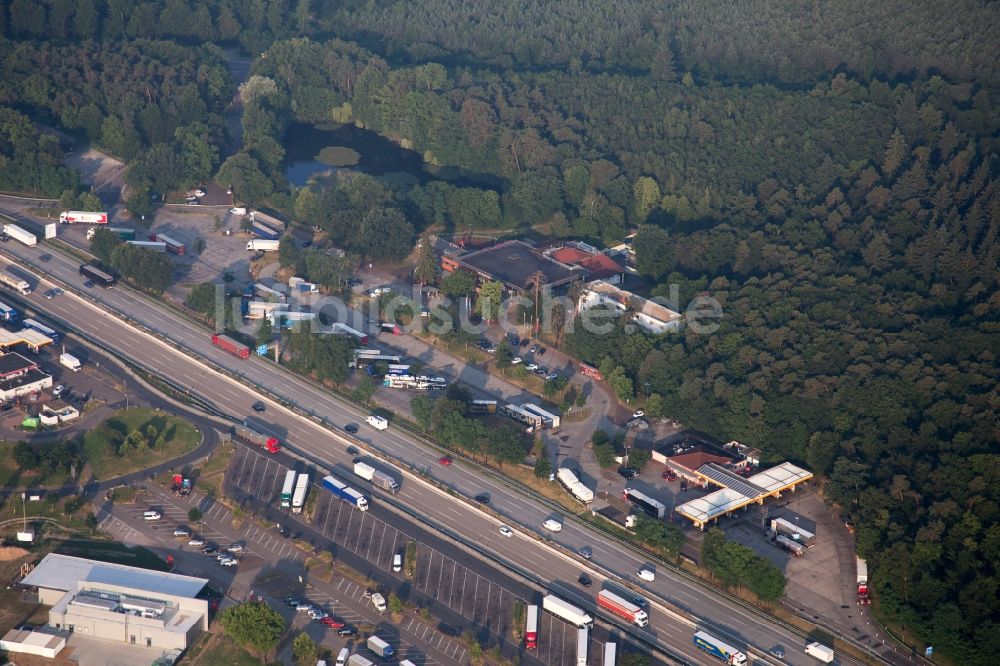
[531,628]
[582,645]
[301,488]
[645,502]
[173,246]
[567,611]
[288,489]
[82,217]
[345,492]
[569,480]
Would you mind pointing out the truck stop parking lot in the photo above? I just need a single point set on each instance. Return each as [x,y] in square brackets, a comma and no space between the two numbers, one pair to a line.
[467,587]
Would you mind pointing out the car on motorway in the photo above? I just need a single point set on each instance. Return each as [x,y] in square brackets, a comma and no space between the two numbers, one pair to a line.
[351,428]
[506,531]
[628,472]
[584,580]
[445,460]
[196,541]
[586,552]
[45,258]
[88,284]
[777,652]
[50,294]
[183,532]
[259,406]
[347,631]
[646,574]
[482,498]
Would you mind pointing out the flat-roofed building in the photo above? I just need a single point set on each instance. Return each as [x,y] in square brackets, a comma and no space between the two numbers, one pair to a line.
[120,603]
[650,315]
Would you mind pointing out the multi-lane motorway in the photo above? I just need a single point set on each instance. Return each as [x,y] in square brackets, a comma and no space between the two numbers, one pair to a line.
[179,339]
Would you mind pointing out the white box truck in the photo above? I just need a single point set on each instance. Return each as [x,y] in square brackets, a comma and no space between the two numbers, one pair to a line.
[380,647]
[820,651]
[70,361]
[262,245]
[377,422]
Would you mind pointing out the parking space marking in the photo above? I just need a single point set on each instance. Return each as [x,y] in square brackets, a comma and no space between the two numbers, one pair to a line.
[378,552]
[465,580]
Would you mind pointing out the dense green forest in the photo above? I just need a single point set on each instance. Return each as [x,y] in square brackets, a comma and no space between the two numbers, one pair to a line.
[828,172]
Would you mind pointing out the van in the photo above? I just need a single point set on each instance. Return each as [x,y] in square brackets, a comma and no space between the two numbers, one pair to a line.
[379,602]
[342,657]
[377,422]
[397,562]
[552,525]
[151,515]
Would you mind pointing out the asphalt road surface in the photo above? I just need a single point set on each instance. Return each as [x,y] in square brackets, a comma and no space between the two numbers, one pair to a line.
[556,568]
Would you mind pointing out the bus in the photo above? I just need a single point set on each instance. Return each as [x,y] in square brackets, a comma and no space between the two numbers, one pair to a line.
[99,276]
[288,489]
[43,329]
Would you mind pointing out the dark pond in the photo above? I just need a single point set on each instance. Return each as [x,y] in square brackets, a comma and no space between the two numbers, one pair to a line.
[379,156]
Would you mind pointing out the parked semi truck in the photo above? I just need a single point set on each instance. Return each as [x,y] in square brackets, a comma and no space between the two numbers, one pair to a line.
[124,233]
[531,628]
[376,477]
[301,488]
[262,245]
[251,436]
[263,231]
[82,217]
[645,502]
[863,597]
[793,531]
[13,278]
[288,489]
[569,480]
[820,651]
[622,607]
[720,649]
[173,246]
[345,492]
[380,647]
[232,346]
[19,234]
[582,645]
[567,611]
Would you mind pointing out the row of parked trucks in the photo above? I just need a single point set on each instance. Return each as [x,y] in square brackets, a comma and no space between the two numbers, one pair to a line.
[572,483]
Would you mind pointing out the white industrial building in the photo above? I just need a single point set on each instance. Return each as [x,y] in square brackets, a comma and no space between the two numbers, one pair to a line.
[119,603]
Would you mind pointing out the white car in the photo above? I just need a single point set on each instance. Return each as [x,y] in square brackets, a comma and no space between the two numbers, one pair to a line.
[506,531]
[646,574]
[196,541]
[182,532]
[638,414]
[58,391]
[317,614]
[532,367]
[235,548]
[199,193]
[228,562]
[515,360]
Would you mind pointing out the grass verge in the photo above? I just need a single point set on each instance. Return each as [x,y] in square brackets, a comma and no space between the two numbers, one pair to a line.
[136,438]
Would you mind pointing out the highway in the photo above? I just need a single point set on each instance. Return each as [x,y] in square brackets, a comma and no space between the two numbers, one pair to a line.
[730,622]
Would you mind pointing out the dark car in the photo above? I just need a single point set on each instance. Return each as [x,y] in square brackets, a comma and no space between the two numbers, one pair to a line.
[541,350]
[347,631]
[525,343]
[285,532]
[259,406]
[482,498]
[628,472]
[584,580]
[88,284]
[684,485]
[449,630]
[353,451]
[586,552]
[210,550]
[351,428]
[45,258]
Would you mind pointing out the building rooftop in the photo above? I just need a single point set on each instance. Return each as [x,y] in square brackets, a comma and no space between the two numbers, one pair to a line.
[601,266]
[15,381]
[647,307]
[62,572]
[514,262]
[569,255]
[695,459]
[28,336]
[13,363]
